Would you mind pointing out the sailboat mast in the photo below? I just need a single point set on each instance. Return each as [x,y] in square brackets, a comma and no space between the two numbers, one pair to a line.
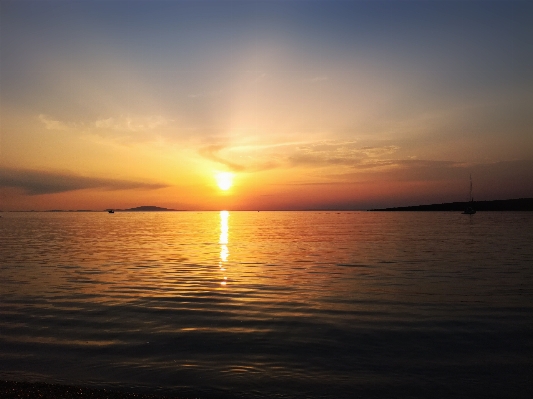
[470,208]
[471,199]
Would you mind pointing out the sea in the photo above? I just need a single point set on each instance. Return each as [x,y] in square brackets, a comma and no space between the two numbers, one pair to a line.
[270,304]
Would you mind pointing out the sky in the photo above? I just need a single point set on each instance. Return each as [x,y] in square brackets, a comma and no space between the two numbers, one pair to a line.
[308,104]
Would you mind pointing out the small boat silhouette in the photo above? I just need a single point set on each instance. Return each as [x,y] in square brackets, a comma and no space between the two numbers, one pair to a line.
[110,211]
[469,210]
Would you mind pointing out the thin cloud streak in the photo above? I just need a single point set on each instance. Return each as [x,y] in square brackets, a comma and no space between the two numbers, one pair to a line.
[52,124]
[339,153]
[132,124]
[316,154]
[35,182]
[211,152]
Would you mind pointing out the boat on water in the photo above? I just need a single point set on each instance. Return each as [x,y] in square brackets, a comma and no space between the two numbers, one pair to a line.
[110,211]
[470,209]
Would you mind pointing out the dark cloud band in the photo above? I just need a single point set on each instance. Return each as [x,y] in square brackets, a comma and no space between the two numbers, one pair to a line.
[35,182]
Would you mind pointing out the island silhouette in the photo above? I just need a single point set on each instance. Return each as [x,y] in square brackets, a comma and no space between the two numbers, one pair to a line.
[519,204]
[143,208]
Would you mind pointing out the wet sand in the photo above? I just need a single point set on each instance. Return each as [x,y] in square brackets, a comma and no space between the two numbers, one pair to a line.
[32,390]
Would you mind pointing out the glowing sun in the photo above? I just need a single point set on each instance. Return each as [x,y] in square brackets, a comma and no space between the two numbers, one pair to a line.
[224,180]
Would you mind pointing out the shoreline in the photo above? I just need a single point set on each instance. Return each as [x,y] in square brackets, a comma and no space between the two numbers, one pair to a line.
[510,205]
[29,390]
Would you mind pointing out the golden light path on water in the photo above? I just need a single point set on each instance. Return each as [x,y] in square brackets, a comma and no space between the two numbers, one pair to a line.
[224,252]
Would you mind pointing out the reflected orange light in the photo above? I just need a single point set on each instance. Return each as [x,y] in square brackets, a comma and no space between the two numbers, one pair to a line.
[224,251]
[224,215]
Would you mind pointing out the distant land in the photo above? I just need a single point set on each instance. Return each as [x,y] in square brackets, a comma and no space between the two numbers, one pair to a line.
[519,204]
[144,208]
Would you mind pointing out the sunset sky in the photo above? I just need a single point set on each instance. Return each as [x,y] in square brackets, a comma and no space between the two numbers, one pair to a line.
[309,104]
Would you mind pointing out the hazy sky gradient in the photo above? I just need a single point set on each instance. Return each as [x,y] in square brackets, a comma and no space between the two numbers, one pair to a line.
[312,104]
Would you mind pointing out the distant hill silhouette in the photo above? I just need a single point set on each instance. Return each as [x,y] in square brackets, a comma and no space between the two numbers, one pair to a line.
[145,208]
[519,204]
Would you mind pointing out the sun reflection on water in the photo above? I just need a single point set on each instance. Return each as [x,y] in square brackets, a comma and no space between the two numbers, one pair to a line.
[224,216]
[224,252]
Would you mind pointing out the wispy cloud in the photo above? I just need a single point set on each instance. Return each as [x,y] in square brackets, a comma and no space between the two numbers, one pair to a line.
[124,124]
[249,162]
[35,182]
[374,152]
[317,154]
[338,152]
[506,179]
[407,169]
[132,123]
[211,152]
[431,170]
[52,124]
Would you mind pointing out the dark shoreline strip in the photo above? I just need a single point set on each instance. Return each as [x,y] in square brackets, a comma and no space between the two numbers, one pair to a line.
[519,204]
[33,390]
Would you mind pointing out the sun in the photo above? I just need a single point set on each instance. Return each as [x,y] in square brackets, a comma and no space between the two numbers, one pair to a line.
[224,180]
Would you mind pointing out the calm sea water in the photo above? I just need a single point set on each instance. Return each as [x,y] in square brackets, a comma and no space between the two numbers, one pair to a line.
[270,304]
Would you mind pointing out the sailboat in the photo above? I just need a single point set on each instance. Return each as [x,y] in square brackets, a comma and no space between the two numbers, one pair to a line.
[470,210]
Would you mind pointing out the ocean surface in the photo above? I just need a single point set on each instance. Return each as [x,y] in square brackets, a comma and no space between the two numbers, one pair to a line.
[270,304]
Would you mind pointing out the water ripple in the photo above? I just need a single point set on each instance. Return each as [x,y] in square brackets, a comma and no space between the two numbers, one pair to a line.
[270,304]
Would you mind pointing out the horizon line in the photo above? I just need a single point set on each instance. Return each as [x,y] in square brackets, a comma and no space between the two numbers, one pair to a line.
[342,209]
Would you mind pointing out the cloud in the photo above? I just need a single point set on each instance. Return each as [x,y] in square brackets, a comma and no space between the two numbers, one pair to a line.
[337,152]
[403,170]
[35,182]
[379,151]
[250,163]
[211,152]
[318,154]
[132,124]
[127,124]
[51,124]
[414,169]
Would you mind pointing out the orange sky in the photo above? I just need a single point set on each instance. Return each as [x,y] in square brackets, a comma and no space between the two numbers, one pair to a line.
[311,105]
